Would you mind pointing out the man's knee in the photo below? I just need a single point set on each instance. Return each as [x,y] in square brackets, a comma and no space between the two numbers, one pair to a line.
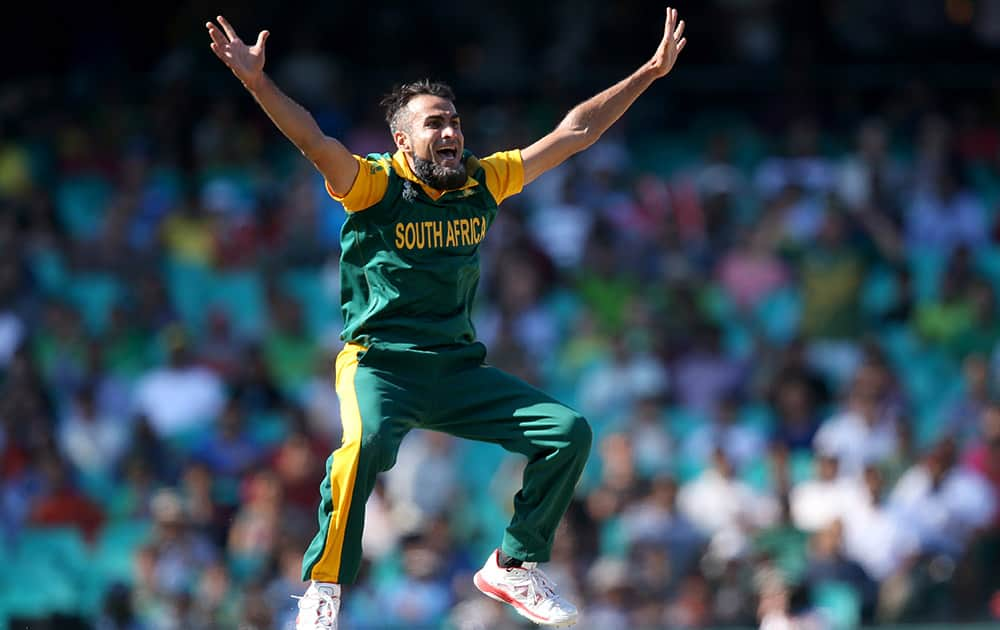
[378,452]
[576,431]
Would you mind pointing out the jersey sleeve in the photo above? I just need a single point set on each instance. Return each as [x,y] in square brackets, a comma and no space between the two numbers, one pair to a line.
[369,186]
[504,173]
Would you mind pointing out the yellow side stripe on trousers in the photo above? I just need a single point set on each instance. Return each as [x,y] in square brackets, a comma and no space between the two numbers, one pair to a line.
[343,467]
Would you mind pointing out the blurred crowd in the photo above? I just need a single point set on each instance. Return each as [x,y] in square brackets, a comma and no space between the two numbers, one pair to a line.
[784,337]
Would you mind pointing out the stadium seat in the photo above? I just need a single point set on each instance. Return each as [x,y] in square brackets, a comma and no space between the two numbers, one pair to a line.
[64,547]
[114,551]
[779,313]
[614,541]
[50,566]
[987,262]
[240,295]
[188,286]
[801,466]
[320,303]
[682,421]
[926,267]
[245,567]
[81,203]
[757,474]
[840,604]
[268,429]
[878,291]
[49,269]
[94,294]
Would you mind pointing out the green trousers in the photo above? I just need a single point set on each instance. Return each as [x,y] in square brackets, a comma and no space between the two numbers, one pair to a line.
[385,393]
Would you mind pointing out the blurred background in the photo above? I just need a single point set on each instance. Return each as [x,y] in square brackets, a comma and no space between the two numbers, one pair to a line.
[772,288]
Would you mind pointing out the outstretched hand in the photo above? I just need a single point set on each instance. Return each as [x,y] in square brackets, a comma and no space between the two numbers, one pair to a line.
[246,62]
[671,45]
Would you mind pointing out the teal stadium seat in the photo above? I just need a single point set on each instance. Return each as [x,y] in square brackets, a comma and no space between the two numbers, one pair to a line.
[987,262]
[320,303]
[268,429]
[801,466]
[239,294]
[47,571]
[878,292]
[682,421]
[613,539]
[49,270]
[737,338]
[778,314]
[840,604]
[94,295]
[926,267]
[114,551]
[188,286]
[81,203]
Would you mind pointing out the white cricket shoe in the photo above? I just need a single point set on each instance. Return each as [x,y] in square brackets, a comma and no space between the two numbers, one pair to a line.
[528,590]
[318,608]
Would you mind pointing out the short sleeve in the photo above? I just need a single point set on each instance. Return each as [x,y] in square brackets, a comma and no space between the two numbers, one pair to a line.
[369,186]
[504,174]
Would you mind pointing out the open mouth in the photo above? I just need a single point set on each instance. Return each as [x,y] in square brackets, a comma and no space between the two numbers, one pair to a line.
[447,154]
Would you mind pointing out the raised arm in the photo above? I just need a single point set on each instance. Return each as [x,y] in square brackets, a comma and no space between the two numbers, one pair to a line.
[327,154]
[586,122]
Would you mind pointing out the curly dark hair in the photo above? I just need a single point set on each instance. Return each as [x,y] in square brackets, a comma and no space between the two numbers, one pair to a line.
[395,101]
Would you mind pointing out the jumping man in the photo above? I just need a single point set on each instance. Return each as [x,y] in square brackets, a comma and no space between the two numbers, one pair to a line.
[409,270]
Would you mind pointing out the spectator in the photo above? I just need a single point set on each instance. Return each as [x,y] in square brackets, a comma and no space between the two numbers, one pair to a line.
[647,430]
[742,443]
[831,272]
[817,503]
[983,454]
[93,442]
[655,521]
[706,374]
[177,554]
[725,509]
[420,598]
[63,504]
[944,503]
[870,179]
[290,352]
[946,215]
[752,269]
[858,434]
[797,414]
[874,536]
[181,395]
[965,417]
[827,563]
[618,381]
[424,481]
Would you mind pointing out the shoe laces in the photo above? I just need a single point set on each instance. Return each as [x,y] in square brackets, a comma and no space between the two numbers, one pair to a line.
[322,596]
[539,586]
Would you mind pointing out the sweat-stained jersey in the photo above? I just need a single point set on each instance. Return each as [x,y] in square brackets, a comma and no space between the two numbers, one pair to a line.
[409,262]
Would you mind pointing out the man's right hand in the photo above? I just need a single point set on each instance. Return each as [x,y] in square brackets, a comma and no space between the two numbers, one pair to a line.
[246,62]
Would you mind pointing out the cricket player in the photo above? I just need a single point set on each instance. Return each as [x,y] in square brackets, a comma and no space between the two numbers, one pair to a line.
[409,270]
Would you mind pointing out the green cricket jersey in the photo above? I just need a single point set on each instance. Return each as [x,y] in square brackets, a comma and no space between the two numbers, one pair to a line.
[409,263]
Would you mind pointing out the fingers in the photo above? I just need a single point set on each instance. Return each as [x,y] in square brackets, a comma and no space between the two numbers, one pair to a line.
[262,38]
[679,31]
[681,44]
[218,50]
[230,33]
[218,39]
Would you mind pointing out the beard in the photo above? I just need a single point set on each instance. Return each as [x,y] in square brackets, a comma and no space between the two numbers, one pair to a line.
[439,177]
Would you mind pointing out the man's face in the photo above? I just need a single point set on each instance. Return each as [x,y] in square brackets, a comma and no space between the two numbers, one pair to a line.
[431,134]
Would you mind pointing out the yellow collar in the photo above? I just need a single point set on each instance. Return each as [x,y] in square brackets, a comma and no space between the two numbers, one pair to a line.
[402,168]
